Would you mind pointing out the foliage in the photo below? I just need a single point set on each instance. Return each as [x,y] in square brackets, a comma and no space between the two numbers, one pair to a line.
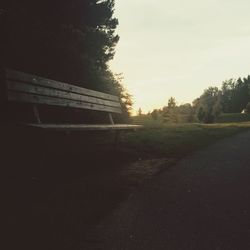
[114,81]
[70,41]
[248,108]
[172,103]
[139,112]
[208,105]
[235,95]
[172,113]
[186,110]
[66,39]
[154,114]
[169,111]
[231,98]
[201,114]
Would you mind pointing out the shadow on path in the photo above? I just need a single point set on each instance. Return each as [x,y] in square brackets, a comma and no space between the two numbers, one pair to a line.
[203,203]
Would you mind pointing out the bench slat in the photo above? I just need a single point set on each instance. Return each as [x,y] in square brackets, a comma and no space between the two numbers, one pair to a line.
[81,127]
[38,90]
[36,80]
[32,98]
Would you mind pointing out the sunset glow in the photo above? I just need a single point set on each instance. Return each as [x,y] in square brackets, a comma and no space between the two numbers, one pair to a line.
[179,48]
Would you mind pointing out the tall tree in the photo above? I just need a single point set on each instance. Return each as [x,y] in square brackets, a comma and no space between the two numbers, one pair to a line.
[169,112]
[248,108]
[67,40]
[235,95]
[70,41]
[227,95]
[208,105]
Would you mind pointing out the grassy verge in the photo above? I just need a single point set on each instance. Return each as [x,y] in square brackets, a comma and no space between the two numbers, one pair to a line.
[233,117]
[177,140]
[157,147]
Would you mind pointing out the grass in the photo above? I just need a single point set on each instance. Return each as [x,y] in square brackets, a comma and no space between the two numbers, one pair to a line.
[177,140]
[147,120]
[233,117]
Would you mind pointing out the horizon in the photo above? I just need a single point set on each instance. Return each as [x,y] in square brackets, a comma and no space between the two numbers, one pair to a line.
[179,49]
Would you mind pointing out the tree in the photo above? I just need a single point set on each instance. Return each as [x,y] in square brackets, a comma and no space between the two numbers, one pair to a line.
[187,111]
[248,108]
[172,103]
[169,112]
[154,114]
[70,41]
[227,95]
[115,83]
[235,95]
[139,112]
[208,105]
[201,114]
[66,40]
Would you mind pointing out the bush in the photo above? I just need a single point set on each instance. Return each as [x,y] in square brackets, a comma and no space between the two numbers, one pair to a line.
[248,108]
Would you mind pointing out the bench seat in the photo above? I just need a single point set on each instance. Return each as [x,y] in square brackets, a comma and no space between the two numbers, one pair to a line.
[83,127]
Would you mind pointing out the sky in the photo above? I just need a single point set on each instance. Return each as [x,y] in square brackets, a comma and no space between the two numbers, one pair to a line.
[179,48]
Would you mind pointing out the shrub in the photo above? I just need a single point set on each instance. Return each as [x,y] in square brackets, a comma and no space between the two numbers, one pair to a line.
[248,108]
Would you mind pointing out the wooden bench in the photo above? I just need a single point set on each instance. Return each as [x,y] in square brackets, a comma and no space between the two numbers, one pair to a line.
[19,87]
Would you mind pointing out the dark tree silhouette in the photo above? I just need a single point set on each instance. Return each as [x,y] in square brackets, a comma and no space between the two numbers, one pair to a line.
[208,105]
[70,41]
[66,40]
[235,95]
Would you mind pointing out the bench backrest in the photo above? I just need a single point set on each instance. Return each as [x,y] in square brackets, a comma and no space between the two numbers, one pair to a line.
[22,87]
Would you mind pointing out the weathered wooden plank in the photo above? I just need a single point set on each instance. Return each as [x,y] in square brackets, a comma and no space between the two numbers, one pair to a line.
[38,90]
[36,99]
[82,127]
[37,80]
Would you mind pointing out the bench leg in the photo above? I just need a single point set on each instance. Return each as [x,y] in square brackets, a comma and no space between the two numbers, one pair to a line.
[36,114]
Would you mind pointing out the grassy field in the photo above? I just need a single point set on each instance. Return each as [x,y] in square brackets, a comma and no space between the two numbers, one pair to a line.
[177,140]
[147,120]
[233,117]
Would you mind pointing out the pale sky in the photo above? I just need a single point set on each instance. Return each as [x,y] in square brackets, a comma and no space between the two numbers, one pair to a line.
[178,48]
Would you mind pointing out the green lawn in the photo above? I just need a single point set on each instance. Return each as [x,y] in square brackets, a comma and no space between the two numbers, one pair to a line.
[233,117]
[177,140]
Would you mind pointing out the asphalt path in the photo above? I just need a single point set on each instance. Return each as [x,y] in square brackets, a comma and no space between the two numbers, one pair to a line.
[202,203]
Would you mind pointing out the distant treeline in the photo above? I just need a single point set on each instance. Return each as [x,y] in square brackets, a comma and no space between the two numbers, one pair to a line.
[70,41]
[232,97]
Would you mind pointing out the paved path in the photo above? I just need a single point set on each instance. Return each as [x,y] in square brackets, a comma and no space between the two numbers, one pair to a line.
[203,203]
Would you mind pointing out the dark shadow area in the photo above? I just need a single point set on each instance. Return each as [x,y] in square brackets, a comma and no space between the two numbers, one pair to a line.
[73,184]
